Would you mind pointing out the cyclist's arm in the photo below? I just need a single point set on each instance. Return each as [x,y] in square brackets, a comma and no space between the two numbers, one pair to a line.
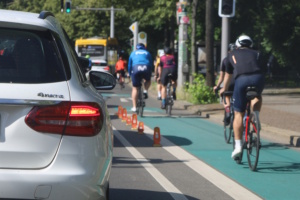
[129,65]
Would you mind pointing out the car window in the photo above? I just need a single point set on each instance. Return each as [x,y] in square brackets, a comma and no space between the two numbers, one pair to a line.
[29,57]
[78,68]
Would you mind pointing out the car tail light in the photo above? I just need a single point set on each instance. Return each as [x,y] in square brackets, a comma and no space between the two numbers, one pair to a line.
[76,119]
[106,68]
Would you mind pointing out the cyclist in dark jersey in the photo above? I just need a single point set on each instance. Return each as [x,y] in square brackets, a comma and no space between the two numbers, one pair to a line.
[167,66]
[226,104]
[243,65]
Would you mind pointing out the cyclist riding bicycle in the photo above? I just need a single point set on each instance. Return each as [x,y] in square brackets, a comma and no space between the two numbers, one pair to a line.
[140,65]
[243,65]
[226,104]
[120,71]
[167,66]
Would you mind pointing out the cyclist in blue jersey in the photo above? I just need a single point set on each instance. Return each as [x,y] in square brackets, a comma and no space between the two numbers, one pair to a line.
[140,65]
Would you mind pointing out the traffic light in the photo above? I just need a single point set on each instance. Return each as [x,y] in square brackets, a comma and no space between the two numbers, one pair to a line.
[226,8]
[68,6]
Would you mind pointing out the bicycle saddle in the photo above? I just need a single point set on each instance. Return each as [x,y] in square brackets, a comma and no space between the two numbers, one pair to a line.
[251,92]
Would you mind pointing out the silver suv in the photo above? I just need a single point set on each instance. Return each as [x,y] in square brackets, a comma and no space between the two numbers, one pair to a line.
[56,138]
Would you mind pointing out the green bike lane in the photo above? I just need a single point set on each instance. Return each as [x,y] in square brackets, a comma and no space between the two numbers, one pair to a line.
[278,170]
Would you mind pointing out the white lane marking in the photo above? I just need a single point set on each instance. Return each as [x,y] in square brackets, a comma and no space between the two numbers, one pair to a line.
[159,177]
[124,100]
[226,184]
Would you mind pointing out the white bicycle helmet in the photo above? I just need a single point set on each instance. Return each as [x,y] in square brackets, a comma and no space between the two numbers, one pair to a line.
[244,41]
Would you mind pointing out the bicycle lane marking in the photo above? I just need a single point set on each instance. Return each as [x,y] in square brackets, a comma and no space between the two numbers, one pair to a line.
[208,144]
[224,183]
[160,178]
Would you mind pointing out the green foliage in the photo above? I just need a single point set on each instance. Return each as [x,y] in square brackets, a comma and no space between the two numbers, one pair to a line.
[199,91]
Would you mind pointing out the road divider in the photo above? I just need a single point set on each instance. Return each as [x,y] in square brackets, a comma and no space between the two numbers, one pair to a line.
[128,121]
[141,128]
[134,122]
[124,115]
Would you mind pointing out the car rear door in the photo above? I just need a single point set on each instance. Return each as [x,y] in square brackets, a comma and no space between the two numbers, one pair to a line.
[32,76]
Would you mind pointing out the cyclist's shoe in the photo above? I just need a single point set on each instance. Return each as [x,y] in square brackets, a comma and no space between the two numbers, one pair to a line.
[174,95]
[163,106]
[145,95]
[236,153]
[133,109]
[158,98]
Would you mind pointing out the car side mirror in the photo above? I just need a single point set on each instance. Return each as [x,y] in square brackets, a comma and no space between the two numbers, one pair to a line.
[102,80]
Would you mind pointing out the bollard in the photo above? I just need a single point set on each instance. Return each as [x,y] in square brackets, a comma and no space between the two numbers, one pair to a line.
[120,110]
[124,115]
[156,137]
[141,128]
[128,121]
[134,122]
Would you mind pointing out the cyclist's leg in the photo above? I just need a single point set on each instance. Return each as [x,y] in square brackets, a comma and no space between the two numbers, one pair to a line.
[147,81]
[240,101]
[136,82]
[164,82]
[174,82]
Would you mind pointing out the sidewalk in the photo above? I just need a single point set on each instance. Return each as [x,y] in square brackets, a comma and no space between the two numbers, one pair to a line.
[279,116]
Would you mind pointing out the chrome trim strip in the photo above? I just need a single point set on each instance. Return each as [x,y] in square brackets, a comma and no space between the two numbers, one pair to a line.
[28,102]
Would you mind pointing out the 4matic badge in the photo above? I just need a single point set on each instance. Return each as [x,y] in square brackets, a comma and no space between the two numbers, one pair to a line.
[50,95]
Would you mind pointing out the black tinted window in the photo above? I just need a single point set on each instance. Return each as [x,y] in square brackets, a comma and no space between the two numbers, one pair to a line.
[29,57]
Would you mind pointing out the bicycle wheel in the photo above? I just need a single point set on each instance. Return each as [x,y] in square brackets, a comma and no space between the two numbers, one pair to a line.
[169,106]
[253,144]
[141,104]
[227,130]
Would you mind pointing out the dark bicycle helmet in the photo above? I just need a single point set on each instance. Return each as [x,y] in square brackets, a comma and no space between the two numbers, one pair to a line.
[244,41]
[140,46]
[231,47]
[167,50]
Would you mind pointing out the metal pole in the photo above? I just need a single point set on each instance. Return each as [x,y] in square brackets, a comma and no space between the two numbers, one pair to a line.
[182,50]
[225,37]
[112,22]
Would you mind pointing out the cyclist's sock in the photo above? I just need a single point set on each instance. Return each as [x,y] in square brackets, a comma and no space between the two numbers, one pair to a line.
[163,101]
[145,91]
[238,144]
[158,94]
[227,109]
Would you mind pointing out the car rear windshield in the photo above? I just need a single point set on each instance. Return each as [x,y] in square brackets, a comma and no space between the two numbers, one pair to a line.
[29,57]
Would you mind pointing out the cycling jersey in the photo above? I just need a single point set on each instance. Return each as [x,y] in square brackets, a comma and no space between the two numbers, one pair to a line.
[139,57]
[167,61]
[243,61]
[120,65]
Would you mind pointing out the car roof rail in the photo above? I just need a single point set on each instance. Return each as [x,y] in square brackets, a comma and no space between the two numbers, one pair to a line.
[45,14]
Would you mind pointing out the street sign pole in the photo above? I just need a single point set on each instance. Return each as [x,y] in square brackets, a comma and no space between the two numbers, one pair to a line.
[182,20]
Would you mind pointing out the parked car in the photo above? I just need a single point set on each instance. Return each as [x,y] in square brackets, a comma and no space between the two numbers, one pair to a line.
[100,65]
[56,138]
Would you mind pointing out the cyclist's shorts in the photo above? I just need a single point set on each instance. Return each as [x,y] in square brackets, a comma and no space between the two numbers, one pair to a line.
[122,72]
[140,72]
[240,86]
[231,85]
[164,75]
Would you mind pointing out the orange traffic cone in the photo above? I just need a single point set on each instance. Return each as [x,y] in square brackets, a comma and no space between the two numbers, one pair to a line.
[124,115]
[156,137]
[141,128]
[128,120]
[134,121]
[120,111]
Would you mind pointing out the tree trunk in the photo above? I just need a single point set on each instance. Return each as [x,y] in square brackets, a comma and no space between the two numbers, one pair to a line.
[194,57]
[209,43]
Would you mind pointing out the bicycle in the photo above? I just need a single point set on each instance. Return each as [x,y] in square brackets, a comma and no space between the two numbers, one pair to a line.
[228,128]
[251,139]
[140,104]
[120,80]
[169,96]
